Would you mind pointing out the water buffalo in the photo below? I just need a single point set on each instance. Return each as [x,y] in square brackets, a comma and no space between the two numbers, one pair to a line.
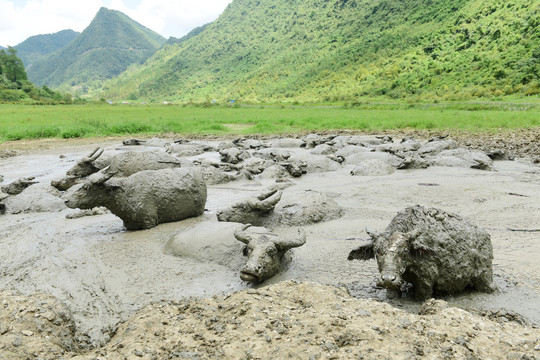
[267,209]
[253,211]
[233,155]
[461,157]
[216,242]
[122,165]
[264,251]
[295,167]
[144,199]
[83,168]
[305,208]
[373,167]
[433,250]
[18,186]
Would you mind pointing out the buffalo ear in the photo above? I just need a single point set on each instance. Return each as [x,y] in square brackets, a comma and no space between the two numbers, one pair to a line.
[372,233]
[363,252]
[101,177]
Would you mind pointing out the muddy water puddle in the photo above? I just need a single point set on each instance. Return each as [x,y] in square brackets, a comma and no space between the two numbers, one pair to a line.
[105,273]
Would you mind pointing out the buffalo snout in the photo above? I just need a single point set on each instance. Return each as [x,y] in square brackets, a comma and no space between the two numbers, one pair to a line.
[389,281]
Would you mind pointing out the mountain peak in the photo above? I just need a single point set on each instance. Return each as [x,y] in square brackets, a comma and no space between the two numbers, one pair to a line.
[110,44]
[103,11]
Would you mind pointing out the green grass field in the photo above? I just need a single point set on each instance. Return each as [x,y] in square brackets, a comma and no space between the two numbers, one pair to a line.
[72,121]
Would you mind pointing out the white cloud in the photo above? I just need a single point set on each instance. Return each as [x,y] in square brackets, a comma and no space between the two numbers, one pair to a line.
[175,18]
[43,17]
[22,19]
[6,16]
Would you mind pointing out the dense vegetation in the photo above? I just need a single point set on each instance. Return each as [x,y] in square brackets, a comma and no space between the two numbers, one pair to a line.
[35,47]
[110,44]
[15,87]
[24,122]
[318,50]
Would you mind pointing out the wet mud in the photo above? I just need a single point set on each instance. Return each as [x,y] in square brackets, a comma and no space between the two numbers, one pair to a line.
[104,274]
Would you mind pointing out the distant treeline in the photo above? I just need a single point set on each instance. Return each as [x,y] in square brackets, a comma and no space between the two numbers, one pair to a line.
[16,88]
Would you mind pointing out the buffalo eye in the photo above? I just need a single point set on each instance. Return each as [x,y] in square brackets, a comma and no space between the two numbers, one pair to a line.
[245,251]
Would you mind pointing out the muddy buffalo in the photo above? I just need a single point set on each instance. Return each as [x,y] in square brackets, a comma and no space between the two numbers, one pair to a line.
[122,165]
[264,251]
[18,186]
[435,251]
[217,242]
[252,211]
[83,168]
[144,199]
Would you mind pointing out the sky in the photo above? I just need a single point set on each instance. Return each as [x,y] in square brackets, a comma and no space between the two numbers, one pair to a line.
[20,19]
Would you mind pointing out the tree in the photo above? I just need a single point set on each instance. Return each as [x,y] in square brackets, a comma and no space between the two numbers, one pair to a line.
[15,86]
[12,68]
[2,75]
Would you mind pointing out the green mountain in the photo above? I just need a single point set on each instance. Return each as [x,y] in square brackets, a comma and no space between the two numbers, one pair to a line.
[35,47]
[316,50]
[110,44]
[15,87]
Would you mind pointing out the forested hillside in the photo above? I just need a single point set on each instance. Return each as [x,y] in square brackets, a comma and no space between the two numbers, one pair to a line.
[15,87]
[316,50]
[110,44]
[35,47]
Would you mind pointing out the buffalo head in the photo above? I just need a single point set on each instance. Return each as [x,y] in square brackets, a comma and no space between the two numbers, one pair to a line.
[83,168]
[90,193]
[393,253]
[265,252]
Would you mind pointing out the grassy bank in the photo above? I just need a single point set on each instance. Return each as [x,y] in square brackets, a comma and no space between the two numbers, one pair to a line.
[31,122]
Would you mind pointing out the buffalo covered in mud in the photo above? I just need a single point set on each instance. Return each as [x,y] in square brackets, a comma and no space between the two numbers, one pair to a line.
[144,199]
[257,252]
[435,251]
[264,251]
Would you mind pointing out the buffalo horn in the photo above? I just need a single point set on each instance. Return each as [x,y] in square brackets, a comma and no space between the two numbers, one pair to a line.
[93,156]
[241,235]
[286,244]
[267,201]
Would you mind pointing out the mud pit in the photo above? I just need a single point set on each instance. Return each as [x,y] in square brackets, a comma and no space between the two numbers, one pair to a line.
[104,274]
